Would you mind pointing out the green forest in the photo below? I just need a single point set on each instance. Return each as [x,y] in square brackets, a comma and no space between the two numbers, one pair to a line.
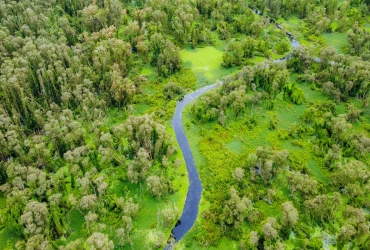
[88,155]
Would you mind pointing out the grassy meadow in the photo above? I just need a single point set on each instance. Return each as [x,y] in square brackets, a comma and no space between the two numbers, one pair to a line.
[336,40]
[205,63]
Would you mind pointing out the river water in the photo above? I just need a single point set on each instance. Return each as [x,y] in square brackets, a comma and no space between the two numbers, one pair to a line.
[190,211]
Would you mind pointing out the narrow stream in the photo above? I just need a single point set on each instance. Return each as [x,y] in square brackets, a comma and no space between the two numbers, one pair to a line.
[193,196]
[190,211]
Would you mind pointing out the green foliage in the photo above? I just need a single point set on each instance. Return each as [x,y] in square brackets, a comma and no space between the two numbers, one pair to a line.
[171,90]
[270,104]
[166,56]
[282,47]
[293,93]
[308,134]
[227,59]
[273,122]
[315,243]
[298,160]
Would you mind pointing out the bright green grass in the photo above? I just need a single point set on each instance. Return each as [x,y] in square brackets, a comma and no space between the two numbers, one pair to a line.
[7,238]
[148,71]
[319,173]
[334,26]
[337,40]
[76,221]
[272,210]
[236,146]
[293,22]
[224,244]
[305,42]
[149,89]
[257,137]
[257,59]
[206,64]
[310,94]
[141,108]
[289,114]
[192,134]
[367,26]
[115,116]
[341,109]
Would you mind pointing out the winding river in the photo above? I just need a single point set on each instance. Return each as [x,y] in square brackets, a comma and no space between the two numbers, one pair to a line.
[190,212]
